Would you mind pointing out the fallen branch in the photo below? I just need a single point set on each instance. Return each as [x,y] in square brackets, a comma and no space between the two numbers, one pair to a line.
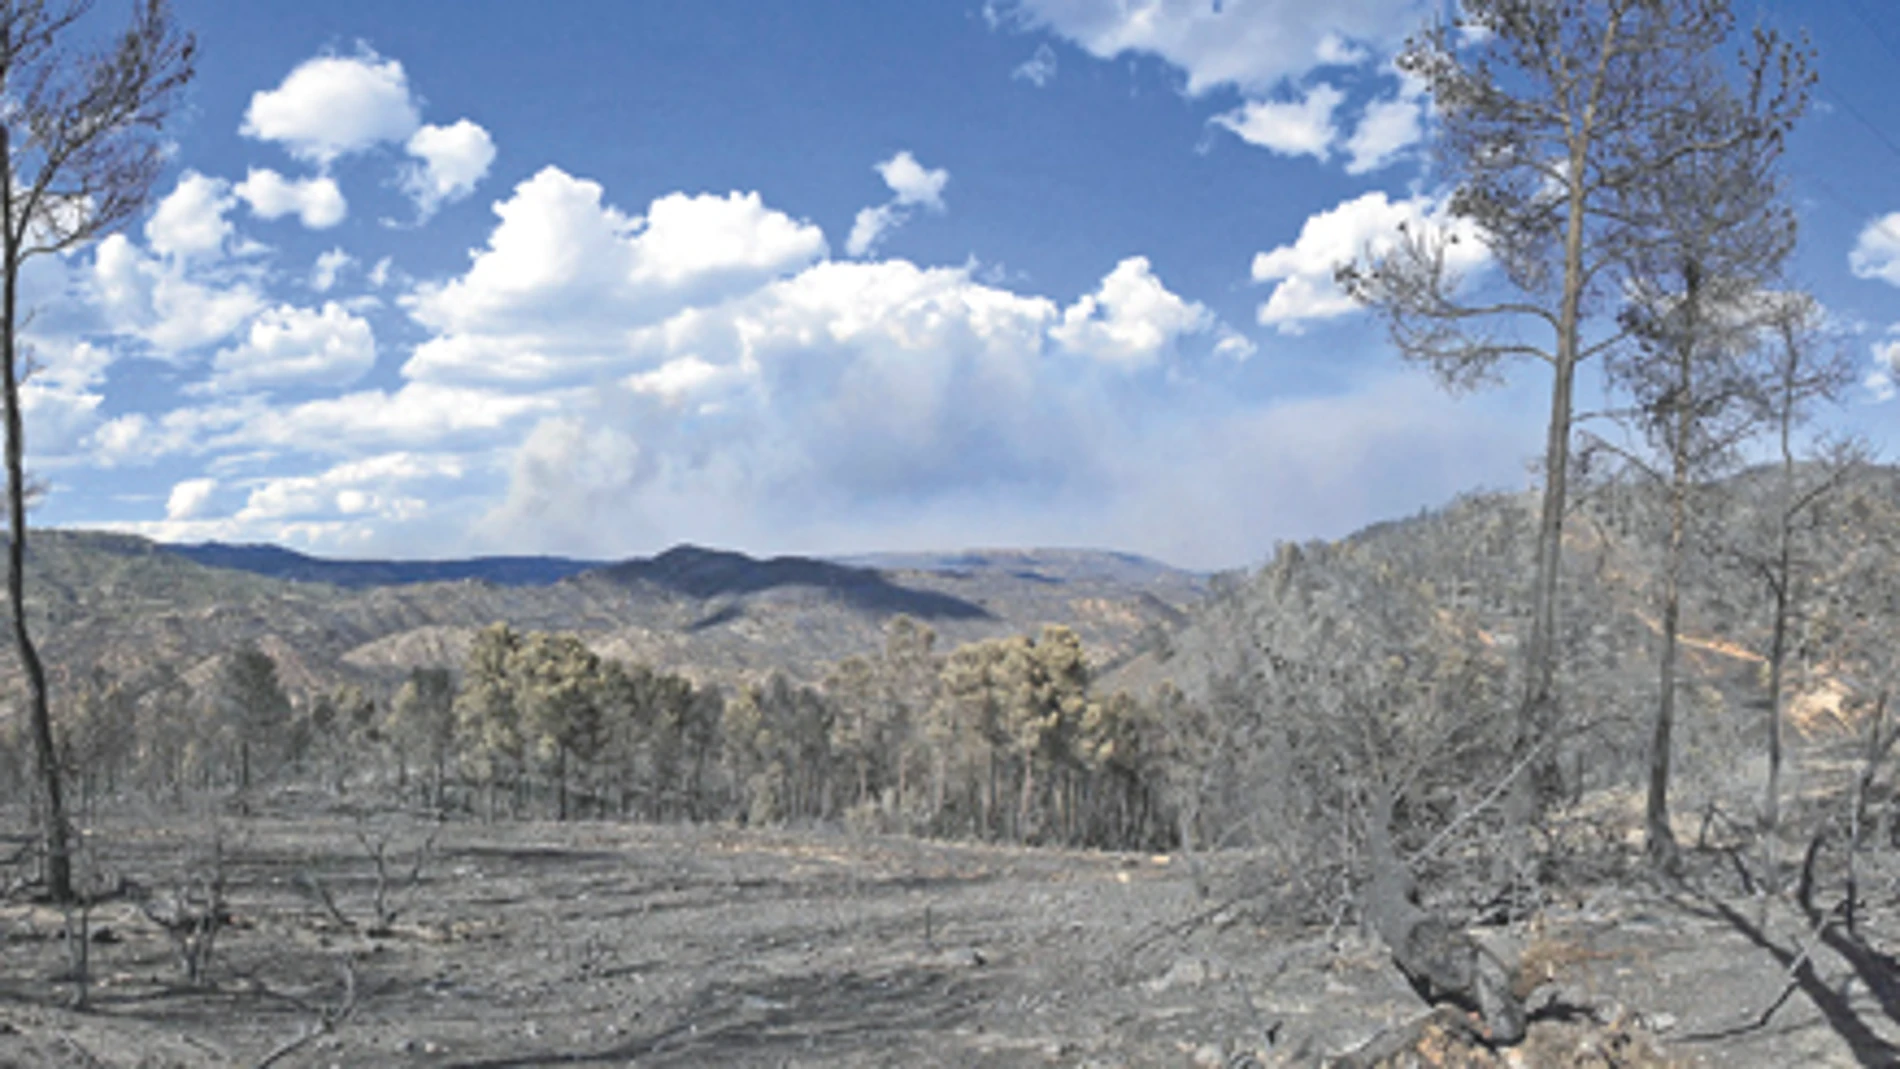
[84,1055]
[1490,798]
[1167,931]
[328,1019]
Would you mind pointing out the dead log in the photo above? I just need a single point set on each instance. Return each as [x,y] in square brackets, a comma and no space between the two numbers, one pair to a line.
[1442,962]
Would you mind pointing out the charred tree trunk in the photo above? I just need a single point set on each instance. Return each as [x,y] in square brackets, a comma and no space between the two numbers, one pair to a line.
[1777,656]
[1781,585]
[59,866]
[1658,839]
[1538,714]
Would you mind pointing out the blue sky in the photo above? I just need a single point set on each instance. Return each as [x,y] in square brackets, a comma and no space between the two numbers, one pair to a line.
[598,278]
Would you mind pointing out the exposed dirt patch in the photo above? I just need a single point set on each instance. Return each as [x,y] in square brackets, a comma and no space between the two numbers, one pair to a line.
[580,944]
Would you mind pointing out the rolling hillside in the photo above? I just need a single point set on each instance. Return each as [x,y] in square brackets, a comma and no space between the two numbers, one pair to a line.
[127,604]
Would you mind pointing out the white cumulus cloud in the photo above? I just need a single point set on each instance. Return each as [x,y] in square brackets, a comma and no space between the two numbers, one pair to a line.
[339,510]
[1132,321]
[59,418]
[372,486]
[686,240]
[1335,51]
[912,185]
[316,202]
[117,440]
[71,364]
[1265,49]
[156,301]
[328,267]
[849,378]
[1290,128]
[1883,380]
[869,226]
[679,378]
[332,106]
[136,438]
[190,498]
[852,388]
[420,415]
[190,220]
[1302,272]
[1254,45]
[62,399]
[1876,252]
[565,276]
[1386,129]
[287,345]
[451,160]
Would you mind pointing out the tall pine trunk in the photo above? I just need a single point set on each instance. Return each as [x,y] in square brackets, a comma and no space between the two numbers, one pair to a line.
[1659,839]
[1538,713]
[1781,581]
[59,868]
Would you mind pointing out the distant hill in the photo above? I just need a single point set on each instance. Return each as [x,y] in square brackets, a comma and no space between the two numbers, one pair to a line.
[280,563]
[128,605]
[709,573]
[1035,565]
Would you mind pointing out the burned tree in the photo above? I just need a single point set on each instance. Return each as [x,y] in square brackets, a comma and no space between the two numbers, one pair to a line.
[1803,368]
[1550,117]
[1700,299]
[79,153]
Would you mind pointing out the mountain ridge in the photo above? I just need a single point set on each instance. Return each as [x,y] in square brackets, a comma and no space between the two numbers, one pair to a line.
[125,604]
[281,562]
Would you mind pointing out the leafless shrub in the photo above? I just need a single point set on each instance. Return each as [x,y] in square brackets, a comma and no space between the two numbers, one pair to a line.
[391,884]
[395,882]
[194,910]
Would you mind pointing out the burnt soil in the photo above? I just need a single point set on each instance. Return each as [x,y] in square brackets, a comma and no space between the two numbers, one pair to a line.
[585,944]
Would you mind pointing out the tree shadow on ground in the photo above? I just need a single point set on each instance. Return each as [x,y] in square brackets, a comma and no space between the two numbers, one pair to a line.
[891,1015]
[1798,968]
[1877,970]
